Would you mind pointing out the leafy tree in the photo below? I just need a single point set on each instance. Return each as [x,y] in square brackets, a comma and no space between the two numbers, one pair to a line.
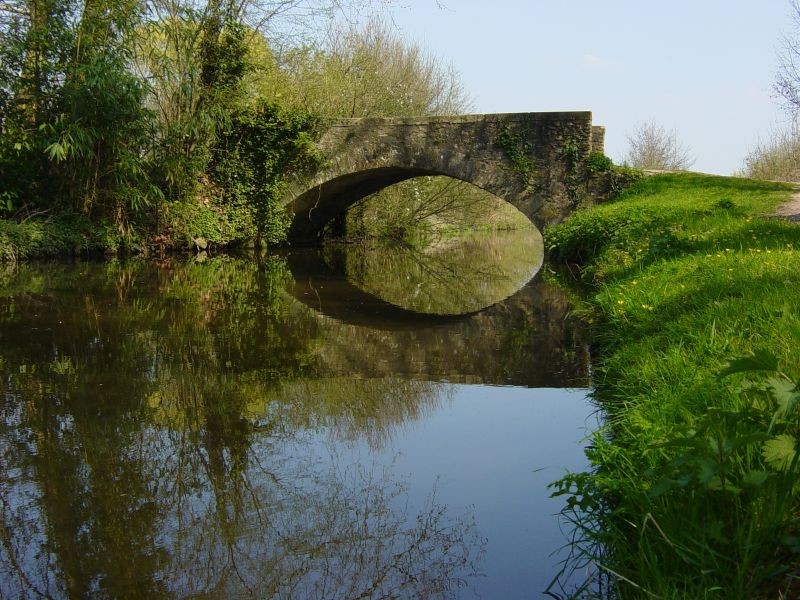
[102,128]
[193,57]
[363,71]
[72,116]
[123,111]
[199,60]
[35,43]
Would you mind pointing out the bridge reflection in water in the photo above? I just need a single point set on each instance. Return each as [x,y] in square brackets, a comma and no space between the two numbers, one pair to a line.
[513,329]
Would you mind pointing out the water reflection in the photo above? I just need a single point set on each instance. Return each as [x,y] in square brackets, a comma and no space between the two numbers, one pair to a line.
[526,340]
[182,429]
[451,277]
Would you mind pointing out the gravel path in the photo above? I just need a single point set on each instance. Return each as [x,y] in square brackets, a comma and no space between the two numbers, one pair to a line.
[790,210]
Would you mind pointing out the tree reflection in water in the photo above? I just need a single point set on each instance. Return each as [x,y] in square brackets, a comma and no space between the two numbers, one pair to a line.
[192,429]
[450,277]
[160,438]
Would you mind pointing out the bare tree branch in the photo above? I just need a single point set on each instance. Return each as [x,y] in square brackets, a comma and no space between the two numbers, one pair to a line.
[653,147]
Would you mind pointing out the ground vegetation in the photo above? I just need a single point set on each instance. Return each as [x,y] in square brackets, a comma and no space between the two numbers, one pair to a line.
[689,284]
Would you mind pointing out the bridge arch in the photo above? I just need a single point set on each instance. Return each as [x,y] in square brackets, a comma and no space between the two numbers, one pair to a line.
[329,293]
[377,339]
[535,161]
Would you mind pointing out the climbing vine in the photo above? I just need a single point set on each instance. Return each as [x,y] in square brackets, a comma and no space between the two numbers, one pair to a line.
[570,151]
[518,150]
[255,154]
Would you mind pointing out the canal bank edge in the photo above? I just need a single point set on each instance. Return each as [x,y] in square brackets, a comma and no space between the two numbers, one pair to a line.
[686,273]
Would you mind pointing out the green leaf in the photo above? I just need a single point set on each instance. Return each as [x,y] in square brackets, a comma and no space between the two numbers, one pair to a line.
[792,543]
[716,485]
[779,452]
[715,530]
[748,439]
[760,360]
[683,442]
[755,478]
[706,470]
[786,395]
[662,487]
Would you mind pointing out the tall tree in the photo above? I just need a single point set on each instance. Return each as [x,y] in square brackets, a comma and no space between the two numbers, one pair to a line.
[72,116]
[103,125]
[787,80]
[35,43]
[363,71]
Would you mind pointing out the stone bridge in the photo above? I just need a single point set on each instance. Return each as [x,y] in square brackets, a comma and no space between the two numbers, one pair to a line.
[535,161]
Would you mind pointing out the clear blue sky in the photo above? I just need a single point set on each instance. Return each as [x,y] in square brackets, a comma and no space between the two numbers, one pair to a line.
[702,67]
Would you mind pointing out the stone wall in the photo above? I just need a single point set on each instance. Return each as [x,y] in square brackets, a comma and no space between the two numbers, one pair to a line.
[598,138]
[535,161]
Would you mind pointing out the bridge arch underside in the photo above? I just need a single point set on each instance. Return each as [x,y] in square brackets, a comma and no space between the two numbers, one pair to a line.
[315,208]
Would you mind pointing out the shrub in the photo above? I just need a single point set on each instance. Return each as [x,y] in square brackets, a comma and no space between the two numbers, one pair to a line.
[653,147]
[777,159]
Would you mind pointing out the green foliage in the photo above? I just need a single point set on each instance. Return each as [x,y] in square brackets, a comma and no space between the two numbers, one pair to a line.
[196,58]
[590,233]
[151,117]
[597,162]
[518,150]
[82,132]
[99,142]
[695,477]
[66,235]
[570,152]
[254,154]
[223,54]
[188,222]
[74,122]
[610,180]
[741,464]
[35,52]
[362,70]
[7,199]
[659,216]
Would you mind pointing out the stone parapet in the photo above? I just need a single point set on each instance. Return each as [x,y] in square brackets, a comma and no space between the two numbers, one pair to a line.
[535,161]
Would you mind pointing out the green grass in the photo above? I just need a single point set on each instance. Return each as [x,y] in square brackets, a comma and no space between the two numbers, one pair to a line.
[688,498]
[62,236]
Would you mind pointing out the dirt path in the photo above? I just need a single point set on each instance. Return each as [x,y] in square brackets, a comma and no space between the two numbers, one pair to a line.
[791,209]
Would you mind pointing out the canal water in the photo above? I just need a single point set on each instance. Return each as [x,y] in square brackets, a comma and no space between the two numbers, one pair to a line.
[337,423]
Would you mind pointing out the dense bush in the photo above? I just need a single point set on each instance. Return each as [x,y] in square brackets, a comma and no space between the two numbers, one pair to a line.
[256,150]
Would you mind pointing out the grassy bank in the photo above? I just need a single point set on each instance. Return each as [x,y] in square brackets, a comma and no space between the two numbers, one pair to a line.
[694,489]
[179,226]
[60,237]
